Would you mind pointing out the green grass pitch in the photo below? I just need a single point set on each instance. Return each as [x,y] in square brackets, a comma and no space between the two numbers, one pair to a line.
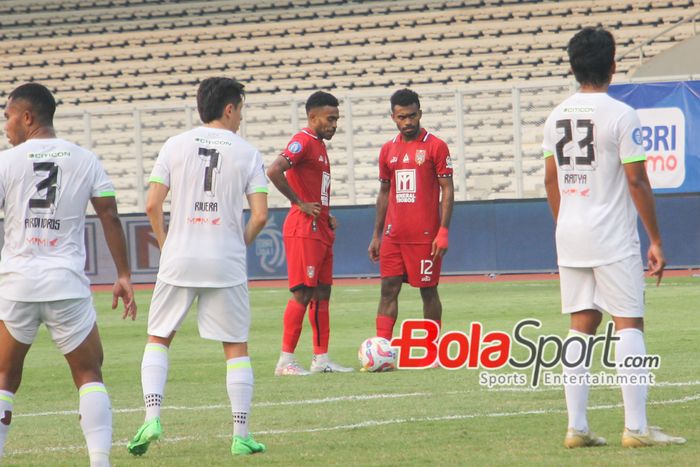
[399,418]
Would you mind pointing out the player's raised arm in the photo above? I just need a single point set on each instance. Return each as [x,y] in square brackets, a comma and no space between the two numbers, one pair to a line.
[382,204]
[157,193]
[106,209]
[643,198]
[276,175]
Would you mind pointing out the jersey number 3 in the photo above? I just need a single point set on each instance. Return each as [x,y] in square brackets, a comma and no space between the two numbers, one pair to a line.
[584,157]
[48,185]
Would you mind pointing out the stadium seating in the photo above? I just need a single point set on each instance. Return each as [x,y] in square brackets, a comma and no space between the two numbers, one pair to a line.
[102,54]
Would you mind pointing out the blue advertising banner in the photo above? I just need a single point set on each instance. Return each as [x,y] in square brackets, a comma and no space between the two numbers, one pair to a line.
[670,117]
[502,236]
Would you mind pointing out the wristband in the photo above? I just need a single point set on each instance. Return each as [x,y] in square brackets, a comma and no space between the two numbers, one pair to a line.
[442,238]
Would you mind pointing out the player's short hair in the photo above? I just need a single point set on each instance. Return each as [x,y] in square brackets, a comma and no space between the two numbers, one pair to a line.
[404,98]
[321,99]
[40,100]
[214,94]
[592,55]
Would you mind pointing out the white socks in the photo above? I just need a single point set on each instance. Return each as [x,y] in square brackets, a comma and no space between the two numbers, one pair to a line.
[239,385]
[634,397]
[96,421]
[576,394]
[285,359]
[154,374]
[7,400]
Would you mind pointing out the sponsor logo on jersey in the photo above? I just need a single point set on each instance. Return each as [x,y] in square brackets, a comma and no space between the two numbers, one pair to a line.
[425,279]
[663,139]
[42,241]
[448,162]
[48,155]
[420,156]
[394,160]
[575,109]
[406,185]
[310,271]
[325,189]
[197,220]
[406,160]
[294,147]
[213,142]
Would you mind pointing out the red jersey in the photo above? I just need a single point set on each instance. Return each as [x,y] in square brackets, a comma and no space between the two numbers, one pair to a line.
[413,168]
[310,178]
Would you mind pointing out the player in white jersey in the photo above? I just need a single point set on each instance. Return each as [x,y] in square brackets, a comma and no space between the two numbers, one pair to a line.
[45,185]
[209,171]
[596,184]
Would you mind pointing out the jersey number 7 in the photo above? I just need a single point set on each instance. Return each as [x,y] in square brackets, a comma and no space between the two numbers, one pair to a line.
[211,156]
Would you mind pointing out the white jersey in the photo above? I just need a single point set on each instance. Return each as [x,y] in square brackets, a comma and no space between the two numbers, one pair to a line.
[592,135]
[209,172]
[45,185]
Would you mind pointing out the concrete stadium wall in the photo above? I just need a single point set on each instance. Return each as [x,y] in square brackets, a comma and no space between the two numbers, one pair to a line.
[502,236]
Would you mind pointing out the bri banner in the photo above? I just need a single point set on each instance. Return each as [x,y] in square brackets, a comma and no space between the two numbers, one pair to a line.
[670,133]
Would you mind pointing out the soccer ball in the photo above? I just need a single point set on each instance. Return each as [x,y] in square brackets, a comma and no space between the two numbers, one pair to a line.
[376,354]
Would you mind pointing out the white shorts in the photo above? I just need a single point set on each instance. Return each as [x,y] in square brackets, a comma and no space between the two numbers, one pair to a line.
[69,321]
[617,288]
[223,314]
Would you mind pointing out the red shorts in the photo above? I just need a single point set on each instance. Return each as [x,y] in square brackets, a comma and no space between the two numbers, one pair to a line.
[413,261]
[309,262]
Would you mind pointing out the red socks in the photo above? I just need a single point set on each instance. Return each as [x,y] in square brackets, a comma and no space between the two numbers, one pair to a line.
[293,320]
[385,326]
[320,324]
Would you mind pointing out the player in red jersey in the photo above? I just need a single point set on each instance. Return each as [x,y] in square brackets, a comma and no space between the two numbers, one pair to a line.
[308,234]
[414,207]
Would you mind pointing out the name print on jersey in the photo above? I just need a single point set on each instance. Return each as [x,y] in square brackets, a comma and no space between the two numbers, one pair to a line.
[206,206]
[42,223]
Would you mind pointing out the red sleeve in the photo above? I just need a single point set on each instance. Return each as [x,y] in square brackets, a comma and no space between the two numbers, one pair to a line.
[384,172]
[296,149]
[443,161]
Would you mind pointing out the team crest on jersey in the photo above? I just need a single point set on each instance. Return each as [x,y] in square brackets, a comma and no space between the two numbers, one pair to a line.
[420,156]
[294,147]
[310,271]
[405,159]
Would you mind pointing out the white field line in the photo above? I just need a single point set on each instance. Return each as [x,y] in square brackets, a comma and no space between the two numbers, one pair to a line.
[371,423]
[325,400]
[659,384]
